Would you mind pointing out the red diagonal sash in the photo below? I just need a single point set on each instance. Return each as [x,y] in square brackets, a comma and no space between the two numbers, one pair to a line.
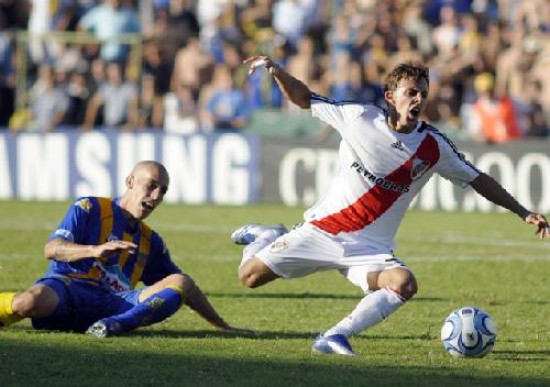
[376,201]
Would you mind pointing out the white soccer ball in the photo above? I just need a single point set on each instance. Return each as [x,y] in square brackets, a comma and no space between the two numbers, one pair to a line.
[468,332]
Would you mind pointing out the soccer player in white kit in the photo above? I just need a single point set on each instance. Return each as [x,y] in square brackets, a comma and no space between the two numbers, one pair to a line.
[386,157]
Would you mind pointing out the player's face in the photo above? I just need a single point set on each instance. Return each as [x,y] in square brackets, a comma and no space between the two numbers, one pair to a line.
[408,100]
[146,188]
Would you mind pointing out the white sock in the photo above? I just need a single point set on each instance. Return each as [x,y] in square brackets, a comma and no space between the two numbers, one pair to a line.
[372,309]
[259,243]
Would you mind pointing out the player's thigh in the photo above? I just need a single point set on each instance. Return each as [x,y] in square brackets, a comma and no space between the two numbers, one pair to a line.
[38,301]
[301,252]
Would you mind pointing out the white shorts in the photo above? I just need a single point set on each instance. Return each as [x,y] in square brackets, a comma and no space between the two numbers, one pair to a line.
[307,249]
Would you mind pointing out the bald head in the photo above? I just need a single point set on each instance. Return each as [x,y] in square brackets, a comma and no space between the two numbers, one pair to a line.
[147,166]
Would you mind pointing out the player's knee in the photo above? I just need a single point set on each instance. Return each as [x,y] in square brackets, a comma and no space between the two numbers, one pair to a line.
[401,282]
[407,287]
[177,280]
[185,282]
[248,278]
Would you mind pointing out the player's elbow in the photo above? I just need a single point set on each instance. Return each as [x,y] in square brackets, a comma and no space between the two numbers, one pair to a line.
[50,249]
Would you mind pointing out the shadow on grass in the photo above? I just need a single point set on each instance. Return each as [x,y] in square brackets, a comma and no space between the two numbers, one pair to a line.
[307,295]
[260,335]
[105,363]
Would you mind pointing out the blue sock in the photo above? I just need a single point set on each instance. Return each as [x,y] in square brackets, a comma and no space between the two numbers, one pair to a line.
[156,308]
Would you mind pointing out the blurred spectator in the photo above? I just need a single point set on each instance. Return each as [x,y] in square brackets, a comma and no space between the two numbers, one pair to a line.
[7,76]
[119,99]
[414,25]
[108,22]
[290,19]
[446,35]
[224,106]
[49,103]
[175,22]
[191,65]
[78,95]
[180,112]
[40,24]
[255,20]
[157,66]
[150,105]
[494,118]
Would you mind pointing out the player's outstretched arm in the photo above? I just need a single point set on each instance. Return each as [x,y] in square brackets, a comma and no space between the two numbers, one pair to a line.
[64,251]
[293,89]
[491,190]
[195,299]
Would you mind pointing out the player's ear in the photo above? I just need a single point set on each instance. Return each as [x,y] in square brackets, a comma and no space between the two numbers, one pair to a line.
[388,96]
[130,181]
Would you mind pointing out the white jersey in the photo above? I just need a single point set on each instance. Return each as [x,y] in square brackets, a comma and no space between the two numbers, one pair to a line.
[381,171]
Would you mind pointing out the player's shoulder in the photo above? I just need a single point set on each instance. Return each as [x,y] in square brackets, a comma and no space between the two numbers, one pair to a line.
[350,108]
[442,139]
[85,203]
[91,204]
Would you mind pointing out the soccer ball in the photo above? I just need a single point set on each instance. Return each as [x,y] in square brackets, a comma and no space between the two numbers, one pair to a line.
[468,332]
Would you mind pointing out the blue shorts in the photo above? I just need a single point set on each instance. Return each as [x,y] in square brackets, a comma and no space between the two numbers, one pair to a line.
[82,303]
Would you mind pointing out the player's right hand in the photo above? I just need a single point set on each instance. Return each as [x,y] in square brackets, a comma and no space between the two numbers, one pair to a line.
[111,248]
[257,61]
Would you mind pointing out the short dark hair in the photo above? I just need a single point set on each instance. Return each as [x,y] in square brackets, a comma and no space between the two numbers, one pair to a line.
[407,70]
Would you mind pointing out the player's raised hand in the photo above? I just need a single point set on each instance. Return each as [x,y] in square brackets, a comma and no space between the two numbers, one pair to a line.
[543,229]
[114,247]
[257,61]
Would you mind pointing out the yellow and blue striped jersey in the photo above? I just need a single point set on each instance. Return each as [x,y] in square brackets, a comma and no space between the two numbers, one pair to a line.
[94,221]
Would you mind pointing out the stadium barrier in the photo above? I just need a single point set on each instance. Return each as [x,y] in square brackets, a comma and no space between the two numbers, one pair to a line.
[238,169]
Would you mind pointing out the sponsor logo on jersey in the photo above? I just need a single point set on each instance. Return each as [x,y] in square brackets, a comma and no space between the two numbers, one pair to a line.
[113,276]
[419,167]
[85,204]
[398,145]
[380,181]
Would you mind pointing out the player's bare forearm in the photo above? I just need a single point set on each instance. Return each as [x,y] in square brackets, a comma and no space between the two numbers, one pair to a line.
[293,89]
[491,190]
[64,251]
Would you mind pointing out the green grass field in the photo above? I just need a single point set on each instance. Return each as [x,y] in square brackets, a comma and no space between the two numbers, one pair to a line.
[490,260]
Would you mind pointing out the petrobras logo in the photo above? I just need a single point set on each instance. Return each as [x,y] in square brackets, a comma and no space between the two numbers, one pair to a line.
[85,204]
[380,181]
[65,234]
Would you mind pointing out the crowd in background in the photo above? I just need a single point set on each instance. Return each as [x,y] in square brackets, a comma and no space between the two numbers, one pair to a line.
[488,60]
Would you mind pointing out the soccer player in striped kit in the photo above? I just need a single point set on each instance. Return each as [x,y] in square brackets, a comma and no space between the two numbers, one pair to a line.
[386,157]
[101,250]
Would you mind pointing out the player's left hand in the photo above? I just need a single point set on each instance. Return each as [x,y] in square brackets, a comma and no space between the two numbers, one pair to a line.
[543,229]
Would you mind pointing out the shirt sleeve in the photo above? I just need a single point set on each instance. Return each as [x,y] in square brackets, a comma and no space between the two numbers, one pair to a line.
[454,166]
[73,227]
[336,114]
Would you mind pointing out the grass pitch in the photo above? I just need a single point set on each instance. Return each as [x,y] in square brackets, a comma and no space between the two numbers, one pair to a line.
[490,260]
